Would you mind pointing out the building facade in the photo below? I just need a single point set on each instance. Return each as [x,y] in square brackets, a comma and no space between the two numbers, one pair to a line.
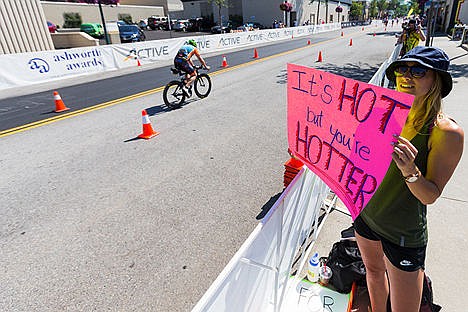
[267,11]
[14,36]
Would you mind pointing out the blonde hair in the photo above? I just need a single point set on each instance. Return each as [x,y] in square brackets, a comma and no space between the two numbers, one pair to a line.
[432,105]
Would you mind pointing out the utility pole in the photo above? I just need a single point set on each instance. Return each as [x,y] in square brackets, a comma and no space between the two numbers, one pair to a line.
[103,22]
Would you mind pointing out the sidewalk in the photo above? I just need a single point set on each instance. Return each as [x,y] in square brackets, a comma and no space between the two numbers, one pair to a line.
[447,252]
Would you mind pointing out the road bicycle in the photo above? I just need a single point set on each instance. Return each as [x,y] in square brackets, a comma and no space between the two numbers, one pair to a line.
[174,94]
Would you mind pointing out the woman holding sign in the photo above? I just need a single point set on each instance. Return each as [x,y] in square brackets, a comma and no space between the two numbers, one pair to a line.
[391,231]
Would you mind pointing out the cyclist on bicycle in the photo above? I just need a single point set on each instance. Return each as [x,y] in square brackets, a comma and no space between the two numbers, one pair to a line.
[183,62]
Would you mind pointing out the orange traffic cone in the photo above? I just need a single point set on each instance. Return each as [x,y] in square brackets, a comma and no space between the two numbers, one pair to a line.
[255,53]
[225,64]
[59,105]
[350,42]
[138,62]
[320,57]
[148,131]
[291,169]
[308,42]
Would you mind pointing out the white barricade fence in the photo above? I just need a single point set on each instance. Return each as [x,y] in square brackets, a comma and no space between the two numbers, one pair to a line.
[257,277]
[24,69]
[379,78]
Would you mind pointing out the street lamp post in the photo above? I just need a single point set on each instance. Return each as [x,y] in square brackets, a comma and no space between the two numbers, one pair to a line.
[103,22]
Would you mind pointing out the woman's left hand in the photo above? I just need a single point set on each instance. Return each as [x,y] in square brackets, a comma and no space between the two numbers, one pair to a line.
[404,154]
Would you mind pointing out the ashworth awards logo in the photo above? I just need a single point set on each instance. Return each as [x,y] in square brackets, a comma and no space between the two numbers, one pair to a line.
[38,64]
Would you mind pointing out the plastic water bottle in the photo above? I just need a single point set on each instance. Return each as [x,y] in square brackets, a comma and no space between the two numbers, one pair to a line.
[313,270]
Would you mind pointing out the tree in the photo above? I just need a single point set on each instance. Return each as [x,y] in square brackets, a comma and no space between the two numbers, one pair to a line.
[402,9]
[382,6]
[220,4]
[393,5]
[355,11]
[373,10]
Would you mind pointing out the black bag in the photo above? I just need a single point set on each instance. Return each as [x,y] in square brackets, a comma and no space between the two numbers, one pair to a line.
[346,264]
[427,300]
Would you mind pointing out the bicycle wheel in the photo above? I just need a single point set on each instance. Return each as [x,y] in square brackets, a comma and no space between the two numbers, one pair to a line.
[173,94]
[202,85]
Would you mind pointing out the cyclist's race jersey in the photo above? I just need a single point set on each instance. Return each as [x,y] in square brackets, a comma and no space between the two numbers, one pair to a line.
[184,51]
[181,59]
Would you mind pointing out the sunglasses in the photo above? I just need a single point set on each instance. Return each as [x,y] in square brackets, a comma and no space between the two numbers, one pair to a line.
[415,71]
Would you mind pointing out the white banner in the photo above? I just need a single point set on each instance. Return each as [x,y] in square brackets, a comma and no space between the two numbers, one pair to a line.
[37,67]
[258,276]
[24,69]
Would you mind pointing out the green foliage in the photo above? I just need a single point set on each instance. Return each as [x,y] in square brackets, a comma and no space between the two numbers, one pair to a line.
[415,7]
[355,12]
[127,18]
[382,6]
[72,20]
[402,10]
[373,10]
[393,4]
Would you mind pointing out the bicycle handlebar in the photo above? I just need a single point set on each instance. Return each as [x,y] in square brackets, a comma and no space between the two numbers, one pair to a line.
[200,67]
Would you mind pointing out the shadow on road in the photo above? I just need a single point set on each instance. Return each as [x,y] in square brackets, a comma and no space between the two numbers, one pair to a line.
[159,109]
[267,206]
[361,71]
[459,71]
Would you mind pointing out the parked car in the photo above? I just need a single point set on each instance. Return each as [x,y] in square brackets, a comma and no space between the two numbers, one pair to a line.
[95,30]
[225,27]
[131,33]
[143,24]
[157,22]
[52,27]
[181,25]
[255,25]
[196,24]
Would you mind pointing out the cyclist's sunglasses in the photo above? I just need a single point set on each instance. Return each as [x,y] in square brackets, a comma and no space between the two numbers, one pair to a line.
[415,71]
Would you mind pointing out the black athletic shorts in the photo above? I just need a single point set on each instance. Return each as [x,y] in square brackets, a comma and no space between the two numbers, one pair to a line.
[183,65]
[405,258]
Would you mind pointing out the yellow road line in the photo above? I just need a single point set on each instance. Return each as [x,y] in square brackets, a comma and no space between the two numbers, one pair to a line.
[144,93]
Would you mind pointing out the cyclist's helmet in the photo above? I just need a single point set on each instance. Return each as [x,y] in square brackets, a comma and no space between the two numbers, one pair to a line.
[192,42]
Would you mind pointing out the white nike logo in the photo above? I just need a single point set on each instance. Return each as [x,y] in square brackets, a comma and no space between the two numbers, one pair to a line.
[405,263]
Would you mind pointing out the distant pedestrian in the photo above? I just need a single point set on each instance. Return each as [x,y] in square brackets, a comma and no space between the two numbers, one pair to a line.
[391,230]
[410,36]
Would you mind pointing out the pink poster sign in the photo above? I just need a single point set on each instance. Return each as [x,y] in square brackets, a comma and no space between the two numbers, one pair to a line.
[342,130]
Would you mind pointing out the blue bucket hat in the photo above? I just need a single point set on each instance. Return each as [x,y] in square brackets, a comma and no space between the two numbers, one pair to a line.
[428,57]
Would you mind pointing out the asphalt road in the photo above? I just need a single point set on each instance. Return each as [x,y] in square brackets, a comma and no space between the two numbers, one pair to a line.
[94,219]
[22,110]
